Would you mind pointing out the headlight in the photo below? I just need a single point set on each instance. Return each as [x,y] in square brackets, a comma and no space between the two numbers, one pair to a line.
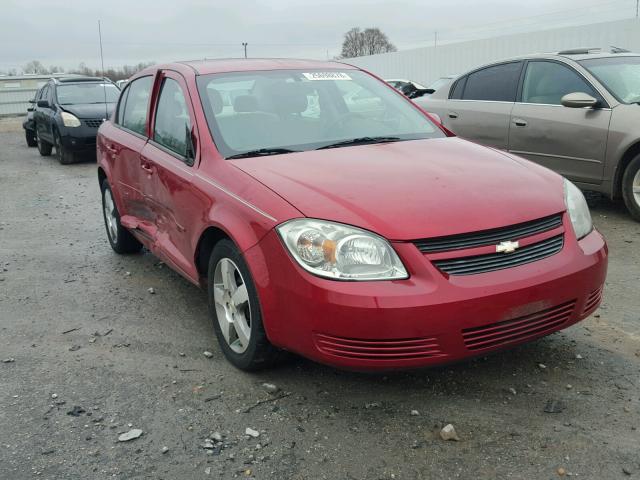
[338,251]
[578,210]
[69,120]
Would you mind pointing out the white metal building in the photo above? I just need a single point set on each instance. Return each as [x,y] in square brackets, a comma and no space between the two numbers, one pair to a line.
[424,65]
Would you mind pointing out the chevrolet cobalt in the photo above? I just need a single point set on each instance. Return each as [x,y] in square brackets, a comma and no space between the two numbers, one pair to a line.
[328,215]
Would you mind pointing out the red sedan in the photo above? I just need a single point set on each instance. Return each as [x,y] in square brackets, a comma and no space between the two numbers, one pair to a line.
[329,216]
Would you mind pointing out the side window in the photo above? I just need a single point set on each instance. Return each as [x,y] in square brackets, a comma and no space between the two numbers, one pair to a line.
[44,93]
[458,87]
[136,105]
[172,125]
[498,83]
[121,105]
[548,82]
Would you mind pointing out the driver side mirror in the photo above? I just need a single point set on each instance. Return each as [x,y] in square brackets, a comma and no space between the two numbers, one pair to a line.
[44,104]
[578,100]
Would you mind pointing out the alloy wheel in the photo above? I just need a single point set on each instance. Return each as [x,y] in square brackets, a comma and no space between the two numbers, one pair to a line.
[110,216]
[232,305]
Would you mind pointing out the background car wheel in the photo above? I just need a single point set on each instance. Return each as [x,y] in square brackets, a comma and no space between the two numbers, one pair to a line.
[30,137]
[235,310]
[63,156]
[631,188]
[43,147]
[121,239]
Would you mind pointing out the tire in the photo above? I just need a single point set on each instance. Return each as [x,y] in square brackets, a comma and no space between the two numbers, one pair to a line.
[30,137]
[64,157]
[631,188]
[257,353]
[121,239]
[44,148]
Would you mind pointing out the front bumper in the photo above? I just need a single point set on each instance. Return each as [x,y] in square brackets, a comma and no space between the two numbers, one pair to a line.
[430,318]
[80,139]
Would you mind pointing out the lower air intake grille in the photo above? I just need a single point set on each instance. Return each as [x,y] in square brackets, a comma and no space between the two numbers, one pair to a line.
[93,123]
[412,348]
[498,261]
[593,300]
[522,328]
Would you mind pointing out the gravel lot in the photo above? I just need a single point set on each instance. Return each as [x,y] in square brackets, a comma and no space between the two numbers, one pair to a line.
[80,329]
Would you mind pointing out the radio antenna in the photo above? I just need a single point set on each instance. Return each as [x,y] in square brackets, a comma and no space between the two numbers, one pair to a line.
[104,86]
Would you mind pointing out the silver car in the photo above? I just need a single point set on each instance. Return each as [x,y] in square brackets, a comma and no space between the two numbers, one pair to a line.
[576,112]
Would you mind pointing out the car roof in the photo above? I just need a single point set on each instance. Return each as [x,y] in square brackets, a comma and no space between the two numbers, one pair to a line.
[79,79]
[575,55]
[205,67]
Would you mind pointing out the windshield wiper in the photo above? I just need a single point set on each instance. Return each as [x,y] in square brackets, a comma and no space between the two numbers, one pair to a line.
[262,152]
[360,141]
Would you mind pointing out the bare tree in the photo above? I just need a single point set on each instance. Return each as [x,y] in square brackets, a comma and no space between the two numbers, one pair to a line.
[368,42]
[35,66]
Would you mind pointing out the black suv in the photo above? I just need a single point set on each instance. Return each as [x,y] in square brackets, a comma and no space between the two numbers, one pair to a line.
[68,113]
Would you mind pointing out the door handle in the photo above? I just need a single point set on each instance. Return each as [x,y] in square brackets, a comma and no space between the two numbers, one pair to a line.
[110,148]
[146,166]
[453,115]
[519,122]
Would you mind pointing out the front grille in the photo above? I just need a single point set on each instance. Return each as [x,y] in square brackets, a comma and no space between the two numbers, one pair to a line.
[93,123]
[488,237]
[593,300]
[406,349]
[517,329]
[498,261]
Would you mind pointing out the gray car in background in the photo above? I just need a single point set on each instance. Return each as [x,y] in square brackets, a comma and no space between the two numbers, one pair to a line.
[576,112]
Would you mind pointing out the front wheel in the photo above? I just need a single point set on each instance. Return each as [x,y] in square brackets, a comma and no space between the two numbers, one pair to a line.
[44,147]
[64,157]
[631,188]
[235,310]
[30,137]
[121,239]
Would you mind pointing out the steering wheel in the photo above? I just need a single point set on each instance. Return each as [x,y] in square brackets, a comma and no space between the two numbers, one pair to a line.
[337,125]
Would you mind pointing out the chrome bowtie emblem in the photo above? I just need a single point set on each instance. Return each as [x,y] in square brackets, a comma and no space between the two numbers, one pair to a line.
[507,247]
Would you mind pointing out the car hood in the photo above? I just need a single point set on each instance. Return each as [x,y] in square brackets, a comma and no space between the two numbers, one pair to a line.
[90,110]
[413,189]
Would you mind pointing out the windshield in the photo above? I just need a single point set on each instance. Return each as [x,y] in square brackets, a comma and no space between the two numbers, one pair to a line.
[620,75]
[87,93]
[295,110]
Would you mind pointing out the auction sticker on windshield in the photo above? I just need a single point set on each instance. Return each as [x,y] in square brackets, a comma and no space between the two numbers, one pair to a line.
[326,76]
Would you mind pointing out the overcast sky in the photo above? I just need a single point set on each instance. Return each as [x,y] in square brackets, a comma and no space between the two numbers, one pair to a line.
[65,32]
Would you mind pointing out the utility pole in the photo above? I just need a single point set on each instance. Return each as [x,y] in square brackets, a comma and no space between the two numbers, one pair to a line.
[637,7]
[244,44]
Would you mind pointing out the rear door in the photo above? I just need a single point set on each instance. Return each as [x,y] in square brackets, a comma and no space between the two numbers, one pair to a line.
[480,103]
[123,143]
[170,158]
[571,141]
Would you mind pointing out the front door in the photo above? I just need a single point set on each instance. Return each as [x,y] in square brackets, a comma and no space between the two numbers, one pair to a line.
[571,141]
[171,156]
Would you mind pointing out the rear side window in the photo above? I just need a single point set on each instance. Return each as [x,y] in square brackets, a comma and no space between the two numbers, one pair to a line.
[548,82]
[137,105]
[172,125]
[498,83]
[458,87]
